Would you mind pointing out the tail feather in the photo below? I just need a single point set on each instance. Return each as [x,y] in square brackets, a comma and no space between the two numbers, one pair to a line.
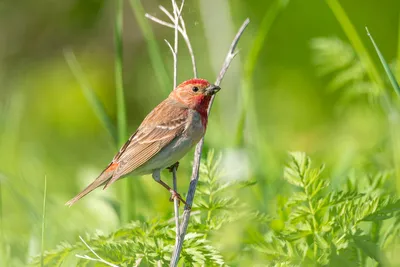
[102,179]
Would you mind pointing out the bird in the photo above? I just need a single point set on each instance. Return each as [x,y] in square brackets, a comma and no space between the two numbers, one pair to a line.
[166,134]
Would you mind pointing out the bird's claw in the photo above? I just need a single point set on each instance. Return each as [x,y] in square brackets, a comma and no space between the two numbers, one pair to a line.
[175,165]
[176,195]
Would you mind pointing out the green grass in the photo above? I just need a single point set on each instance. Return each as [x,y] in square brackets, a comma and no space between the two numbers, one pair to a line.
[125,186]
[159,69]
[398,49]
[385,65]
[355,40]
[394,116]
[247,110]
[42,245]
[95,103]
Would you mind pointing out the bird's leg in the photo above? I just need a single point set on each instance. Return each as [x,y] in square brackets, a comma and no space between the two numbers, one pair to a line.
[174,194]
[175,165]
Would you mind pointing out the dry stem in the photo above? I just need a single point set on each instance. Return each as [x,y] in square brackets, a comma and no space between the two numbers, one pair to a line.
[197,155]
[178,25]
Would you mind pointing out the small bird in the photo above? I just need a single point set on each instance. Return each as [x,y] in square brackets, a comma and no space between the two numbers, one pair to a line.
[167,133]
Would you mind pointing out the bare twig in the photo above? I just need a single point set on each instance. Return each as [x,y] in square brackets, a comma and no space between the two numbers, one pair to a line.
[174,179]
[174,51]
[176,206]
[197,156]
[178,24]
[181,28]
[176,40]
[159,21]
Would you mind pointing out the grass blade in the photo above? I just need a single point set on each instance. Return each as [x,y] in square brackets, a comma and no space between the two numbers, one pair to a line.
[154,51]
[2,240]
[393,115]
[90,95]
[125,184]
[398,50]
[249,66]
[385,65]
[355,41]
[43,222]
[121,110]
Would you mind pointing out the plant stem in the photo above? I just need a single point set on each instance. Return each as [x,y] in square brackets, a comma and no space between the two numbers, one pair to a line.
[92,98]
[249,66]
[248,113]
[392,113]
[315,224]
[3,241]
[398,51]
[43,222]
[153,48]
[356,42]
[197,154]
[126,207]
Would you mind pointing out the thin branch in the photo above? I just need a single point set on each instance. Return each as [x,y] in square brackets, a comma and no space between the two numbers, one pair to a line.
[176,42]
[174,50]
[181,28]
[99,259]
[166,12]
[197,156]
[159,21]
[176,205]
[189,46]
[175,53]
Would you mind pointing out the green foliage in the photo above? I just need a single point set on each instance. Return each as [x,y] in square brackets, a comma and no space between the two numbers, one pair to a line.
[317,225]
[337,58]
[326,227]
[385,65]
[152,242]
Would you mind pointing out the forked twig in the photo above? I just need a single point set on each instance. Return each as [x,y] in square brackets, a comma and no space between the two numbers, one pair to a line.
[174,50]
[197,155]
[178,24]
[181,28]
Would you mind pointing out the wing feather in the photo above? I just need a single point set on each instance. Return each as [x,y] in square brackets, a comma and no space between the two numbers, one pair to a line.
[156,131]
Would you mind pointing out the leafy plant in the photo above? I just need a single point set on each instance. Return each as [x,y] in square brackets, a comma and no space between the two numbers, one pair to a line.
[337,58]
[152,242]
[329,228]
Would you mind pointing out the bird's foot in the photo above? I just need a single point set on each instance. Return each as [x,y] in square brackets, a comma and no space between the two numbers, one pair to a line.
[176,195]
[175,165]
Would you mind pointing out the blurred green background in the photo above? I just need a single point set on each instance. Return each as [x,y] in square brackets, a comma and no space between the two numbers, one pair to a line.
[48,128]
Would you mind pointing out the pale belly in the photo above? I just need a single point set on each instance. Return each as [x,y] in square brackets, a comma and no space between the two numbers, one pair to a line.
[176,150]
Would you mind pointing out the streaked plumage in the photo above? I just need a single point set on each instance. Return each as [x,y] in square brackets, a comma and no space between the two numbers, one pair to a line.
[167,133]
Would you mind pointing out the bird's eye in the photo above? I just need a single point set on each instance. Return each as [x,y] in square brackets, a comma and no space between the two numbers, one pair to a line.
[195,89]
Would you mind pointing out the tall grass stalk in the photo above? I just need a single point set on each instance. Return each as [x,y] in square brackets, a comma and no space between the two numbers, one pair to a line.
[356,42]
[248,113]
[386,102]
[90,95]
[249,67]
[127,208]
[2,240]
[155,55]
[43,222]
[398,50]
[394,114]
[385,65]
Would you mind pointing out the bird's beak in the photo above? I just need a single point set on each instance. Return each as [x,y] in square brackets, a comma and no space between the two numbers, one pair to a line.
[212,89]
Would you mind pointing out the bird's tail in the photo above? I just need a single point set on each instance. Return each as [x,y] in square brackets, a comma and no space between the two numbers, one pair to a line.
[102,179]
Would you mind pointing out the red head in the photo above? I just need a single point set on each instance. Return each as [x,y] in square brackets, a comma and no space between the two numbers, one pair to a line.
[195,93]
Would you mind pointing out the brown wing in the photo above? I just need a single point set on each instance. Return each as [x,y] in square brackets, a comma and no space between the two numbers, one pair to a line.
[157,130]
